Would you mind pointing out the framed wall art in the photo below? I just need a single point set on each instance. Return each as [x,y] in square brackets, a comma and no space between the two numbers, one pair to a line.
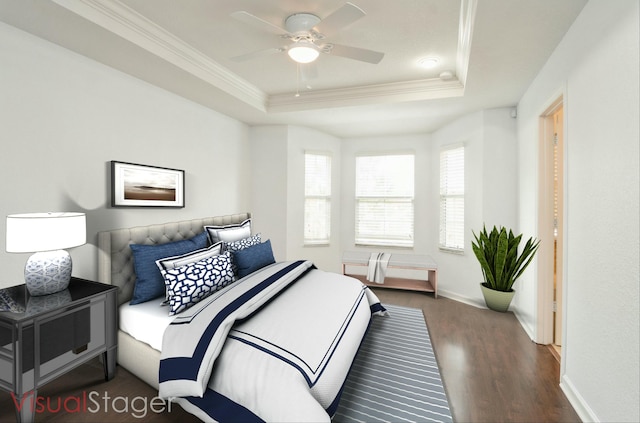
[137,185]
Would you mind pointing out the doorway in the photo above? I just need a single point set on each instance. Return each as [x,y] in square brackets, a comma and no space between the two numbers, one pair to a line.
[551,226]
[558,140]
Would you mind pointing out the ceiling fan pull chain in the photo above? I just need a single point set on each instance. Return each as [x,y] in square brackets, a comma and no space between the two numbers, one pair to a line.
[297,80]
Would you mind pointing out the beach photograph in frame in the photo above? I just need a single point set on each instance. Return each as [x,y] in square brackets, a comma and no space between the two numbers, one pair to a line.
[137,185]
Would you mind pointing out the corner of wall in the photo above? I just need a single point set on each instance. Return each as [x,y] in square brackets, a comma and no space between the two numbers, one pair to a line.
[578,403]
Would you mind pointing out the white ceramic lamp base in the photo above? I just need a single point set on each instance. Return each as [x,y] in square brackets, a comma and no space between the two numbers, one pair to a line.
[48,272]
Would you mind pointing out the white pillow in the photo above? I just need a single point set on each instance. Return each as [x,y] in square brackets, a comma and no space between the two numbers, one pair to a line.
[192,257]
[229,233]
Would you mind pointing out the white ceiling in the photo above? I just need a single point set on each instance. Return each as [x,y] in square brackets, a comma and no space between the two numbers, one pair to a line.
[494,48]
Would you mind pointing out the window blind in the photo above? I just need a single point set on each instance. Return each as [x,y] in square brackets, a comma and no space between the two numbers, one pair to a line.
[384,200]
[317,203]
[452,199]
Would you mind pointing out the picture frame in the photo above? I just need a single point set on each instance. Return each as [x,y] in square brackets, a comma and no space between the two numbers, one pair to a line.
[138,185]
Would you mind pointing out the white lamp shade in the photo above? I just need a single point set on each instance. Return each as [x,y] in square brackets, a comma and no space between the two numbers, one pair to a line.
[34,232]
[303,52]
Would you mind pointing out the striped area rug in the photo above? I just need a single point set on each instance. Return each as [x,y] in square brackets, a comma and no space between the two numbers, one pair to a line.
[395,376]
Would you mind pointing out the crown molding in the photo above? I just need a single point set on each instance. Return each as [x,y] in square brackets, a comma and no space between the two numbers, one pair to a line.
[425,89]
[465,34]
[120,19]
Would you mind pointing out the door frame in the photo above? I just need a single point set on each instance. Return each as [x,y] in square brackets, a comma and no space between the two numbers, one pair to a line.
[545,320]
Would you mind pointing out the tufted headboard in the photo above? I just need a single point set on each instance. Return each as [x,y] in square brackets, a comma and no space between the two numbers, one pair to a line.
[115,260]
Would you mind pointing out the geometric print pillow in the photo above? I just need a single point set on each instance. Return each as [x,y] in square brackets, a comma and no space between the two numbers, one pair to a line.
[167,263]
[188,284]
[241,244]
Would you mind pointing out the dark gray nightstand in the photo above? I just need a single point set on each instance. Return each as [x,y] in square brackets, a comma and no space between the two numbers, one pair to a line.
[44,337]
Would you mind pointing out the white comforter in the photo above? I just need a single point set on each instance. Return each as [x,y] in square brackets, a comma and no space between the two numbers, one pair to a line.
[287,362]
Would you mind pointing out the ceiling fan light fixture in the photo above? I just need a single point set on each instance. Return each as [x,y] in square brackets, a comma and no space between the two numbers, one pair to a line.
[303,52]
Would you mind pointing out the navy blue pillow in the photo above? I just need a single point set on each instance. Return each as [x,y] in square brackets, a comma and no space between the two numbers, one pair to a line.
[253,258]
[149,281]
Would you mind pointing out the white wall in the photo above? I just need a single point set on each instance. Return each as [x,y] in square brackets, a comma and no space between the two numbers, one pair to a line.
[277,157]
[268,158]
[417,144]
[459,275]
[301,140]
[63,117]
[596,68]
[500,169]
[490,194]
[490,144]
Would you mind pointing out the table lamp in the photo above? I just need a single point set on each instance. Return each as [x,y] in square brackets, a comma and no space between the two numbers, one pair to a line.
[47,235]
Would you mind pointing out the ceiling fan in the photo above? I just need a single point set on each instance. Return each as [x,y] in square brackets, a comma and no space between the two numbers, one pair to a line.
[306,34]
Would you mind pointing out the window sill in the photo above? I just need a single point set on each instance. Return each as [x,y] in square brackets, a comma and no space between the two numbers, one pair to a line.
[456,251]
[370,245]
[317,244]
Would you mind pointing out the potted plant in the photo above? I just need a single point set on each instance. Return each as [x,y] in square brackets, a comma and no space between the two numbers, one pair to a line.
[501,264]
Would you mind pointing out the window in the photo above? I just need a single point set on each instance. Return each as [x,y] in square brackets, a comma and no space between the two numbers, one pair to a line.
[317,198]
[452,199]
[384,200]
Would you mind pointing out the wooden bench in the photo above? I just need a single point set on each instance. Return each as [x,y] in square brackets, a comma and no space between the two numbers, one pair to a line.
[417,262]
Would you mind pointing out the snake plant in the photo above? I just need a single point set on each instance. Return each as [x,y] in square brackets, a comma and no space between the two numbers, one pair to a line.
[497,253]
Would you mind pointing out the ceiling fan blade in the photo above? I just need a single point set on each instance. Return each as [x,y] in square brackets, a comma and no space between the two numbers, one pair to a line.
[356,53]
[340,18]
[256,22]
[258,54]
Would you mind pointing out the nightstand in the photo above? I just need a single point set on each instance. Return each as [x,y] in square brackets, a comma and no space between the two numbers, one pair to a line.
[44,337]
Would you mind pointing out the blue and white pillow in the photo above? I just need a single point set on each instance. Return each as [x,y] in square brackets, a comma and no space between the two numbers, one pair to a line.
[228,233]
[192,257]
[241,244]
[188,284]
[149,282]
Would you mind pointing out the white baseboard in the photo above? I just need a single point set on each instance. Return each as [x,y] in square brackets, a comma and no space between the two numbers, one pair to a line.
[526,328]
[466,300]
[583,410]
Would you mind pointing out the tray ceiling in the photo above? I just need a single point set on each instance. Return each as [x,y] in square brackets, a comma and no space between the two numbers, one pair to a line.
[490,50]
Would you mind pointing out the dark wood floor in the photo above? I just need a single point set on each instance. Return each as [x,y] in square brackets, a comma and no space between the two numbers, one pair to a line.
[491,370]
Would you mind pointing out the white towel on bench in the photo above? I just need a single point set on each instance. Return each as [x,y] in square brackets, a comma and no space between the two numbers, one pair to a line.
[377,269]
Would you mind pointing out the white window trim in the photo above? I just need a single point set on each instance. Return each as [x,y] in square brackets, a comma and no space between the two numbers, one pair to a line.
[444,247]
[327,240]
[381,241]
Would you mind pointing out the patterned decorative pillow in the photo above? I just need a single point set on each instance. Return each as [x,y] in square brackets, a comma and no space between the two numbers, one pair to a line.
[253,258]
[188,284]
[149,282]
[228,233]
[192,257]
[241,244]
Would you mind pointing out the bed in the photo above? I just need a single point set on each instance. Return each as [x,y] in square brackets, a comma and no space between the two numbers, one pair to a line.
[274,344]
